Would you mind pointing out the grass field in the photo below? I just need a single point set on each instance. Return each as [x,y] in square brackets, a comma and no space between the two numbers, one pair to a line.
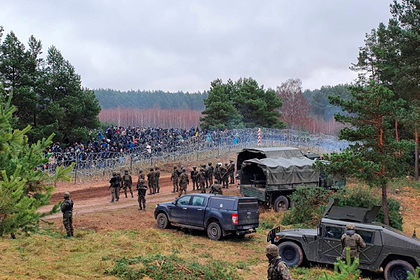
[150,253]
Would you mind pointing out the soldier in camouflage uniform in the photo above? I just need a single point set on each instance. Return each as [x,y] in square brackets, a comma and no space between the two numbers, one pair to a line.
[183,183]
[217,174]
[209,175]
[127,182]
[277,269]
[151,181]
[157,177]
[141,192]
[67,209]
[141,175]
[194,175]
[202,180]
[114,186]
[224,174]
[352,240]
[174,179]
[232,172]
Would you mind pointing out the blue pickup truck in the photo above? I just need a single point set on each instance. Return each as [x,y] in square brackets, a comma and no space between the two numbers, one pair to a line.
[219,215]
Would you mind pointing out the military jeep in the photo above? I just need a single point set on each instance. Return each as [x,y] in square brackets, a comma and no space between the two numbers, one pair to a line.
[387,249]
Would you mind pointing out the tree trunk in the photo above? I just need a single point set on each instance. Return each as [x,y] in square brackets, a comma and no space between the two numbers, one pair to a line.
[416,155]
[385,204]
[397,136]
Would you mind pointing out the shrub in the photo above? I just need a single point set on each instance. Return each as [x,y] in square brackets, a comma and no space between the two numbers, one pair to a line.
[309,205]
[160,267]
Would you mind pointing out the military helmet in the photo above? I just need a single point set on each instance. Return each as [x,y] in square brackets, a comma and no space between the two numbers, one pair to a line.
[350,226]
[66,195]
[272,250]
[140,171]
[126,171]
[174,167]
[194,167]
[183,169]
[142,181]
[114,173]
[226,164]
[209,163]
[151,169]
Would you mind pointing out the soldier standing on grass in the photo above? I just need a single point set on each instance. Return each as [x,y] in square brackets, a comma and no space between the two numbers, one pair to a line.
[209,175]
[67,209]
[277,269]
[128,181]
[174,179]
[194,175]
[141,192]
[352,240]
[114,185]
[232,172]
[183,182]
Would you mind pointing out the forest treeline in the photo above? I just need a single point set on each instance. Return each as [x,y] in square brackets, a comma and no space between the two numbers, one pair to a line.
[142,99]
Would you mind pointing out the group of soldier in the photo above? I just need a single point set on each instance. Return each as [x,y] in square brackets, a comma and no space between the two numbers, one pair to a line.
[205,178]
[125,182]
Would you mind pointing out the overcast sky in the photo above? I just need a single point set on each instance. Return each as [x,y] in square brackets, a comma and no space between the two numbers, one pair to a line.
[184,45]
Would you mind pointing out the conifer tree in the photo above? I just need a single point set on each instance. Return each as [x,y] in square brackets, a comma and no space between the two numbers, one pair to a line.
[22,183]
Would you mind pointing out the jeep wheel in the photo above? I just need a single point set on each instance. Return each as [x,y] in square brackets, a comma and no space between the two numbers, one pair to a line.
[397,270]
[162,220]
[291,253]
[281,204]
[214,231]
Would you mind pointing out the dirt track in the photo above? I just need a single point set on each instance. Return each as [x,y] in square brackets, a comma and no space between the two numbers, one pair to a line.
[93,210]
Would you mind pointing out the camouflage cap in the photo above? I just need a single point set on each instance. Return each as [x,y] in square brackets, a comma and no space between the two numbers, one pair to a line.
[272,250]
[350,226]
[66,195]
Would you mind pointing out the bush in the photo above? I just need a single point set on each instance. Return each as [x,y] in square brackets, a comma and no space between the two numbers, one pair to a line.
[345,270]
[160,267]
[309,206]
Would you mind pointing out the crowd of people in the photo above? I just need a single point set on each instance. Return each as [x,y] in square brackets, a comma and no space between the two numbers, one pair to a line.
[141,142]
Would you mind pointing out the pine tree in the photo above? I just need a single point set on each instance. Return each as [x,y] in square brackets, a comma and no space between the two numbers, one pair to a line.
[22,183]
[376,156]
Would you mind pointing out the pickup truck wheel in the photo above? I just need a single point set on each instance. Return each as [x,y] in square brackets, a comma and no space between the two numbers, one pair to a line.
[214,231]
[281,204]
[162,220]
[291,253]
[397,270]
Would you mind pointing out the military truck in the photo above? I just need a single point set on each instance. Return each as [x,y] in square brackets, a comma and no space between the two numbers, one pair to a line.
[273,174]
[387,249]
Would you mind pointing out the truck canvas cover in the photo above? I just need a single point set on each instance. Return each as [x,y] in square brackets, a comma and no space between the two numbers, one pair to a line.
[291,170]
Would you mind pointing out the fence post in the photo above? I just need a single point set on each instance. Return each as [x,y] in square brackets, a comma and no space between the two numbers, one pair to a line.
[75,168]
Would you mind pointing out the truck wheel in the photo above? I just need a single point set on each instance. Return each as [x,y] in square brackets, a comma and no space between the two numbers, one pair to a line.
[291,253]
[162,220]
[397,270]
[214,231]
[281,204]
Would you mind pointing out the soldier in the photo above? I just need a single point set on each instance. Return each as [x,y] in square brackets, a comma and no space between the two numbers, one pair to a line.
[174,179]
[217,174]
[209,175]
[277,269]
[224,176]
[141,175]
[127,182]
[194,174]
[352,240]
[202,180]
[232,172]
[157,177]
[183,183]
[216,189]
[114,185]
[150,181]
[141,192]
[67,209]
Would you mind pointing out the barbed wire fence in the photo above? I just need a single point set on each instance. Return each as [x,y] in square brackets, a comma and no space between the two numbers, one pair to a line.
[100,166]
